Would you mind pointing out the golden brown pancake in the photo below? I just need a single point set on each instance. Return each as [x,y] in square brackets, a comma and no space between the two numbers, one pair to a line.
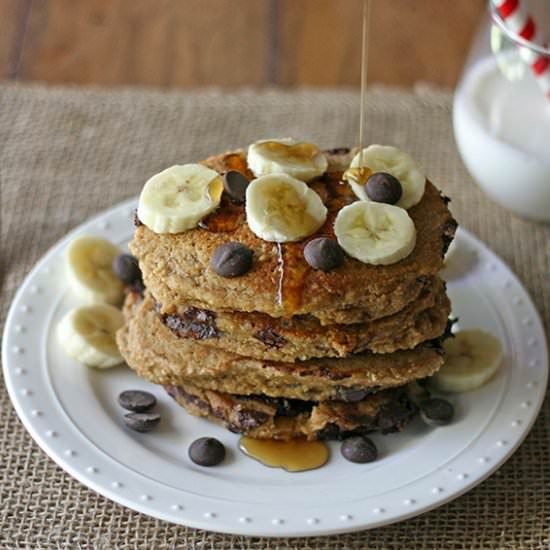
[160,356]
[283,419]
[303,337]
[176,267]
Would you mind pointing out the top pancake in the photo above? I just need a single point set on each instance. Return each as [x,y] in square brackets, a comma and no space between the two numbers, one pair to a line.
[176,267]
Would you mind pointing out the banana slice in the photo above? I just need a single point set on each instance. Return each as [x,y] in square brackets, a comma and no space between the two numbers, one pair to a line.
[176,199]
[282,209]
[384,158]
[374,232]
[90,273]
[303,161]
[87,334]
[472,358]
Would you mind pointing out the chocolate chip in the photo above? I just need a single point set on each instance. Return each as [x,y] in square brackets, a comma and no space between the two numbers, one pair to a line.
[338,151]
[436,412]
[126,268]
[394,415]
[383,187]
[351,395]
[137,221]
[448,234]
[137,400]
[206,451]
[232,259]
[235,184]
[416,392]
[323,253]
[195,322]
[141,422]
[359,449]
[270,338]
[249,419]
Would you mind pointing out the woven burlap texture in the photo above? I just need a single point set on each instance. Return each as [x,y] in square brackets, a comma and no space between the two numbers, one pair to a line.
[66,154]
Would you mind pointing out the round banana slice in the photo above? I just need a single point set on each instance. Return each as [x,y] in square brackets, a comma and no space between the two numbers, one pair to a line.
[89,267]
[178,198]
[471,359]
[282,209]
[87,334]
[375,233]
[303,161]
[384,158]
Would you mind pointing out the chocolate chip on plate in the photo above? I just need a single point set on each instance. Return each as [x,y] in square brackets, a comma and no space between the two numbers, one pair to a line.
[206,451]
[383,187]
[436,412]
[126,268]
[235,184]
[232,259]
[359,449]
[137,400]
[323,253]
[141,422]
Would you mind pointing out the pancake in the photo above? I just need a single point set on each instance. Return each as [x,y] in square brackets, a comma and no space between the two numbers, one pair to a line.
[157,354]
[283,419]
[176,267]
[260,336]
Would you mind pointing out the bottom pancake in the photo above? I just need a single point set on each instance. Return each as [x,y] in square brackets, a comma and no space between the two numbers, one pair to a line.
[283,419]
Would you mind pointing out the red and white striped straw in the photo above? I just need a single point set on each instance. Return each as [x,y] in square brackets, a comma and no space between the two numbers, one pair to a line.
[518,21]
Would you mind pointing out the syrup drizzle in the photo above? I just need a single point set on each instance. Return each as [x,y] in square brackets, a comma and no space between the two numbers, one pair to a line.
[226,219]
[293,269]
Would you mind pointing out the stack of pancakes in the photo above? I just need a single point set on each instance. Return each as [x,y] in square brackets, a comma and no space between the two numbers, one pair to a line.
[285,350]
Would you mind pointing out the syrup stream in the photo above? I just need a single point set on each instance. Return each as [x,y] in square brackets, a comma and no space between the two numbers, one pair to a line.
[364,70]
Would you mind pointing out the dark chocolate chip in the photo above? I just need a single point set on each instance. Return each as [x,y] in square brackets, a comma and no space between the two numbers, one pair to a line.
[249,419]
[351,395]
[323,253]
[436,412]
[270,338]
[126,268]
[359,449]
[232,259]
[383,187]
[338,151]
[235,184]
[448,234]
[141,422]
[417,392]
[206,451]
[195,322]
[137,400]
[137,221]
[395,414]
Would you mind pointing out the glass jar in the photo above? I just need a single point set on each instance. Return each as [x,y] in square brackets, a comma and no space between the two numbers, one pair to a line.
[501,115]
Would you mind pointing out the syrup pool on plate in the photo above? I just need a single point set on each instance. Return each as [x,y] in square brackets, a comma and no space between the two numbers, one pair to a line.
[296,455]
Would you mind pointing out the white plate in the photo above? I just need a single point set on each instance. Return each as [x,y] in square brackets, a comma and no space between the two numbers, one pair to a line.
[72,412]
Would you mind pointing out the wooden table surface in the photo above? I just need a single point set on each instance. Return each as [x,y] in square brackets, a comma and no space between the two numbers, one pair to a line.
[182,43]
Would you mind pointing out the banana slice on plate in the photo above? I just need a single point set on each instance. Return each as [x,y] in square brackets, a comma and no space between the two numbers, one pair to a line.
[472,358]
[303,161]
[282,209]
[384,158]
[89,266]
[178,198]
[87,334]
[375,233]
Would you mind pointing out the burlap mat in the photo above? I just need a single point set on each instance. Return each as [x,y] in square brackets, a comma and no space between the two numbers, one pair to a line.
[66,154]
